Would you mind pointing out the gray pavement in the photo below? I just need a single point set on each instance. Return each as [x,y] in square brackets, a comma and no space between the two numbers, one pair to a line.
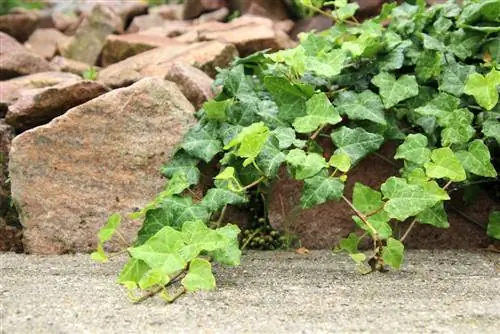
[271,292]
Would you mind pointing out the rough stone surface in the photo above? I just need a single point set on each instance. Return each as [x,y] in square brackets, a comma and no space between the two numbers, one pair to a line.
[100,157]
[38,106]
[194,8]
[271,292]
[65,22]
[168,12]
[16,60]
[276,10]
[316,23]
[44,42]
[206,56]
[168,29]
[11,89]
[217,15]
[194,83]
[120,47]
[19,25]
[87,43]
[69,65]
[144,22]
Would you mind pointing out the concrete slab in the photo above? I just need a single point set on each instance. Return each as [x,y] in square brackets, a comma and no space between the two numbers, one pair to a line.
[271,292]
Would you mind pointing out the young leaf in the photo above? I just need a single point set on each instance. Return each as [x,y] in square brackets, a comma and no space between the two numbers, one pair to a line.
[250,142]
[364,106]
[393,253]
[382,228]
[326,64]
[132,271]
[345,12]
[341,161]
[476,159]
[319,189]
[356,143]
[202,142]
[305,165]
[444,164]
[394,90]
[435,216]
[440,106]
[153,277]
[350,244]
[484,88]
[199,276]
[286,137]
[414,149]
[319,112]
[107,231]
[494,225]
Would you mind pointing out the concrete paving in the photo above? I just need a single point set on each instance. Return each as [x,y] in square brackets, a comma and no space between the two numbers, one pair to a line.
[271,292]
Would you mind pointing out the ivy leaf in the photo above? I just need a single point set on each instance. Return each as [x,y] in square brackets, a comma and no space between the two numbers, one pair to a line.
[464,44]
[169,263]
[428,65]
[394,90]
[295,58]
[271,157]
[364,106]
[369,201]
[231,254]
[444,164]
[184,164]
[153,277]
[414,149]
[216,198]
[177,184]
[326,64]
[382,228]
[494,225]
[346,11]
[453,78]
[440,106]
[199,276]
[305,165]
[319,189]
[393,253]
[198,238]
[484,88]
[319,112]
[202,142]
[435,216]
[132,271]
[291,98]
[431,43]
[341,161]
[491,128]
[476,159]
[250,142]
[109,229]
[286,138]
[216,110]
[356,143]
[405,200]
[350,244]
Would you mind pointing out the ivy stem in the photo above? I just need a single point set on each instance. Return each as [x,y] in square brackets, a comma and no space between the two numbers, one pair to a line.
[161,288]
[221,216]
[362,217]
[179,293]
[374,212]
[112,255]
[317,132]
[254,183]
[250,238]
[122,238]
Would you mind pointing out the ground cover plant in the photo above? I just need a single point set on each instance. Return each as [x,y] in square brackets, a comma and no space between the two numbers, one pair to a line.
[427,77]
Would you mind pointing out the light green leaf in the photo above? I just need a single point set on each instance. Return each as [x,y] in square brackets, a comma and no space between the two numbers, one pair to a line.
[319,189]
[99,255]
[435,216]
[350,244]
[356,143]
[382,228]
[216,110]
[295,58]
[494,225]
[177,184]
[393,253]
[414,149]
[170,263]
[431,43]
[347,11]
[394,91]
[341,161]
[249,142]
[326,64]
[202,142]
[199,276]
[319,112]
[107,231]
[231,254]
[358,257]
[440,106]
[153,277]
[364,106]
[286,137]
[132,271]
[305,165]
[484,88]
[477,159]
[368,201]
[215,199]
[185,164]
[444,164]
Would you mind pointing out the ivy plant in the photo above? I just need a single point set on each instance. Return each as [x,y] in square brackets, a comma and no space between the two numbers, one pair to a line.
[425,77]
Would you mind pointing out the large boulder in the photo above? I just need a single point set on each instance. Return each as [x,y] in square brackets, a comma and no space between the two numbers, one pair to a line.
[19,25]
[69,65]
[275,10]
[194,8]
[87,43]
[144,22]
[169,11]
[16,60]
[206,56]
[44,42]
[38,106]
[101,157]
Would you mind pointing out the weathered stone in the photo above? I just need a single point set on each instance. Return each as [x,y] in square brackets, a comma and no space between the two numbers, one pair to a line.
[368,8]
[120,47]
[65,22]
[87,43]
[101,157]
[316,23]
[217,15]
[194,84]
[69,65]
[16,60]
[19,25]
[194,8]
[127,10]
[44,42]
[168,12]
[144,22]
[35,107]
[206,56]
[10,90]
[168,29]
[275,10]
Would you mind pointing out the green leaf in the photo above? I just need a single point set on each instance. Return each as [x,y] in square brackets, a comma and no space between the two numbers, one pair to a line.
[305,165]
[394,91]
[405,200]
[464,44]
[199,276]
[216,198]
[369,202]
[295,58]
[341,161]
[291,98]
[444,164]
[484,88]
[356,143]
[428,65]
[319,112]
[393,253]
[216,110]
[132,271]
[477,159]
[350,244]
[491,128]
[492,48]
[453,78]
[346,11]
[249,142]
[286,138]
[440,106]
[202,142]
[107,231]
[326,64]
[231,254]
[99,255]
[382,228]
[364,106]
[494,225]
[198,237]
[169,263]
[185,164]
[271,157]
[414,149]
[431,43]
[153,277]
[177,184]
[319,189]
[435,216]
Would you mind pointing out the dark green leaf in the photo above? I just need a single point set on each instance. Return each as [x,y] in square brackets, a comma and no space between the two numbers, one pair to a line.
[319,189]
[356,143]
